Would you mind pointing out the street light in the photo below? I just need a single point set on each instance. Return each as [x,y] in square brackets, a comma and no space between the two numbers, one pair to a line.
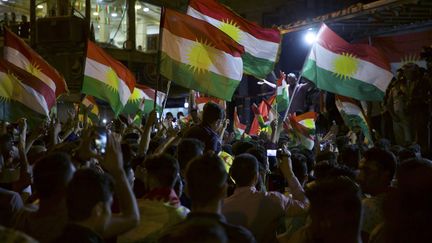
[310,37]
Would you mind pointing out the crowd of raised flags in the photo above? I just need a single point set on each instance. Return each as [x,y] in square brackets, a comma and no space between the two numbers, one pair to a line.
[207,50]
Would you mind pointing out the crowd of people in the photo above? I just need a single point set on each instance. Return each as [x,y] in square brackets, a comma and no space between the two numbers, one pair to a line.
[77,182]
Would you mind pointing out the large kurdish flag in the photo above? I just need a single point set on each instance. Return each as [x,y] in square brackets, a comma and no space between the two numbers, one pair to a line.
[198,56]
[23,95]
[261,44]
[23,56]
[354,70]
[106,78]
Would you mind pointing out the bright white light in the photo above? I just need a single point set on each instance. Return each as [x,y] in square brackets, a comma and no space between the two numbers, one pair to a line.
[104,121]
[40,6]
[137,7]
[310,37]
[95,13]
[5,0]
[186,105]
[98,26]
[114,15]
[146,9]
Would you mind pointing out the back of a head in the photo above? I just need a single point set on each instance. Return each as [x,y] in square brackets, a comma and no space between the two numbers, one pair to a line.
[336,201]
[299,166]
[241,147]
[350,156]
[408,211]
[164,168]
[188,149]
[385,160]
[51,174]
[244,169]
[206,179]
[86,189]
[261,155]
[383,143]
[326,156]
[211,113]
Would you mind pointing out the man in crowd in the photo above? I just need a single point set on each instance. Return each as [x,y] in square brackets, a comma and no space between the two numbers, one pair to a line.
[209,131]
[89,197]
[206,185]
[160,207]
[260,212]
[376,171]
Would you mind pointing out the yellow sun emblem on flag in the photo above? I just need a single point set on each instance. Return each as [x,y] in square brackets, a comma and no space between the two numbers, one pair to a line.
[7,87]
[345,65]
[409,58]
[112,80]
[200,56]
[34,69]
[231,28]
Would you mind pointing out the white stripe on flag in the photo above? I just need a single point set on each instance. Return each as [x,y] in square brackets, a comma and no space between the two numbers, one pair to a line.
[98,71]
[256,47]
[367,71]
[223,64]
[15,57]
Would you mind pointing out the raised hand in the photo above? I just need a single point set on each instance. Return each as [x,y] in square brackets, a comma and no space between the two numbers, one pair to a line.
[113,161]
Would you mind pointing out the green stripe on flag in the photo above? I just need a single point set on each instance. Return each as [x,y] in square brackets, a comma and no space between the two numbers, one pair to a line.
[12,110]
[199,80]
[327,80]
[103,92]
[256,66]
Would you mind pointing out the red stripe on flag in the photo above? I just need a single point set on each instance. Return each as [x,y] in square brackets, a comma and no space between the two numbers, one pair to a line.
[30,80]
[13,41]
[220,12]
[331,41]
[194,29]
[299,127]
[99,55]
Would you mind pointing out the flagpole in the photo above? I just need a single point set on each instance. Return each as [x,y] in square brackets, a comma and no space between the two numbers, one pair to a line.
[159,55]
[166,96]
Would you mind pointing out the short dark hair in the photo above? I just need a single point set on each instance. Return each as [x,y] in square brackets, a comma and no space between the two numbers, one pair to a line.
[211,113]
[187,149]
[337,199]
[350,156]
[241,147]
[327,155]
[299,165]
[261,155]
[51,174]
[164,168]
[384,159]
[195,232]
[86,189]
[206,176]
[243,169]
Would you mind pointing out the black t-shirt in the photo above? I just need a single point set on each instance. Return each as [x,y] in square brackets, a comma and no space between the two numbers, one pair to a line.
[75,233]
[234,233]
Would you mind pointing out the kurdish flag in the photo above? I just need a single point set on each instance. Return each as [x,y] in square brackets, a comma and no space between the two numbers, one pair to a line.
[106,78]
[239,128]
[23,95]
[19,53]
[261,44]
[282,95]
[202,100]
[304,128]
[198,56]
[354,70]
[142,99]
[353,115]
[93,114]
